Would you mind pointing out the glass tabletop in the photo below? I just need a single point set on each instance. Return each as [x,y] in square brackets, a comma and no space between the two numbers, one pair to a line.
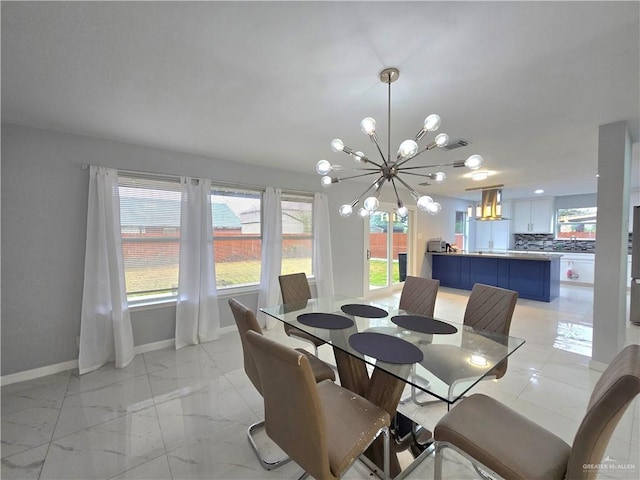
[446,364]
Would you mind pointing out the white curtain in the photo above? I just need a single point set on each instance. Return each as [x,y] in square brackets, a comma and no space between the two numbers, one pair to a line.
[271,253]
[105,326]
[322,261]
[197,315]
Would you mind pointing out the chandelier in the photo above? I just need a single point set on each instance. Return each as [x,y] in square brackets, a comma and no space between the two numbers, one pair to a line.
[390,170]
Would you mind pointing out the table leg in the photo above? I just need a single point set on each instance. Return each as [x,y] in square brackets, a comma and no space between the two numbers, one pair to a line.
[382,388]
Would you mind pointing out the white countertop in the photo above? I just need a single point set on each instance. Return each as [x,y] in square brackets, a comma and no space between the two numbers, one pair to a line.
[519,255]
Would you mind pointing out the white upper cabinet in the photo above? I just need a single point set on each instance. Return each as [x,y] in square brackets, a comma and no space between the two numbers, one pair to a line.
[533,216]
[492,234]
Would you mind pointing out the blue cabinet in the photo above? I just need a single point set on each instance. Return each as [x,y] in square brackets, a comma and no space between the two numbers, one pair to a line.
[533,279]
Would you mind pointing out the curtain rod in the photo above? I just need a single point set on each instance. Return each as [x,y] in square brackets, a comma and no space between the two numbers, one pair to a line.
[140,173]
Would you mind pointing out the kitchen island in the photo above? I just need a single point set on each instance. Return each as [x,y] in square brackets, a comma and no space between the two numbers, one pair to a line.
[535,276]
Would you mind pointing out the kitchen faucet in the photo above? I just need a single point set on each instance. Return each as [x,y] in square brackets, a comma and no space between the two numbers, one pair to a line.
[574,242]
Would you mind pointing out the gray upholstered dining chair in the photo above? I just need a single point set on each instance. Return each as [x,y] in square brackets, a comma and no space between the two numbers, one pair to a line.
[489,309]
[508,444]
[294,288]
[323,427]
[246,321]
[419,295]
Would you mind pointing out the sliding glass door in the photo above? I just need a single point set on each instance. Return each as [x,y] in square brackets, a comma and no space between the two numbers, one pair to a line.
[387,244]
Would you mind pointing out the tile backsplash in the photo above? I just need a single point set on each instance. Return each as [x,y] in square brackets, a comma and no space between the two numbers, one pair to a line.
[548,243]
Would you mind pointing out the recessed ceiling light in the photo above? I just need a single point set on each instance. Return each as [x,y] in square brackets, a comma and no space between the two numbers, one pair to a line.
[477,176]
[539,191]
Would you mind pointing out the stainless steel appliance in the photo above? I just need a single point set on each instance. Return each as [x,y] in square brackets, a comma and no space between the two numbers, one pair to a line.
[634,311]
[436,245]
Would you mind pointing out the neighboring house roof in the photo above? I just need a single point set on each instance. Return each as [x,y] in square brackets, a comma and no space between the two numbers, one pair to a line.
[159,212]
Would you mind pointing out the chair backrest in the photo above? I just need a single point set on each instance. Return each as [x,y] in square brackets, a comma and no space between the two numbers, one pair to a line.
[246,321]
[617,387]
[419,295]
[491,309]
[294,288]
[293,416]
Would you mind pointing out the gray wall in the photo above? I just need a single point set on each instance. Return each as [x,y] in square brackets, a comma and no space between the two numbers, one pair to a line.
[44,207]
[577,201]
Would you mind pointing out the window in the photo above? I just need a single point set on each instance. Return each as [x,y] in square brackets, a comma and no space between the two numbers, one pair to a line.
[460,230]
[150,229]
[297,234]
[237,236]
[576,223]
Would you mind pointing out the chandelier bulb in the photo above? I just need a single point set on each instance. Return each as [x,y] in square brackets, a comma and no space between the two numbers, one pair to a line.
[363,212]
[432,123]
[439,177]
[323,167]
[337,145]
[371,204]
[359,157]
[474,162]
[368,126]
[345,210]
[326,181]
[408,148]
[402,211]
[434,208]
[442,140]
[423,202]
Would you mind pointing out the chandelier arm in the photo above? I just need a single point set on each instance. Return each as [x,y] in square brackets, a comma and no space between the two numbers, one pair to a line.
[431,146]
[425,175]
[414,194]
[356,176]
[404,169]
[395,189]
[357,199]
[368,160]
[384,160]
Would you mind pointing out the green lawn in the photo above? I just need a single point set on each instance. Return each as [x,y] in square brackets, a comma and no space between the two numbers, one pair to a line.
[240,273]
[378,272]
[227,274]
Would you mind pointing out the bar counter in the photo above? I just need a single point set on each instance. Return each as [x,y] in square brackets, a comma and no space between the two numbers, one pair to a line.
[535,276]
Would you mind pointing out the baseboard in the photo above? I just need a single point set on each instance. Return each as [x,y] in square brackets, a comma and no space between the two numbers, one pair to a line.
[71,364]
[597,366]
[150,347]
[38,372]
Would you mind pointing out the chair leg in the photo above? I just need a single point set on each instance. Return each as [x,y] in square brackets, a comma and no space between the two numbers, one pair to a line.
[265,464]
[437,466]
[385,433]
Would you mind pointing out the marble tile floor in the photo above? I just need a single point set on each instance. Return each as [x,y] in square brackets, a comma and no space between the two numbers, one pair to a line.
[183,414]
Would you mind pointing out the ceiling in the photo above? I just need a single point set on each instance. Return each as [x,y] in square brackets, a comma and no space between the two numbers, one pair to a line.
[272,83]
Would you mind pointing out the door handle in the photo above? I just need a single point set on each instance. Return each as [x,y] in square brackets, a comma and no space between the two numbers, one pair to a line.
[368,254]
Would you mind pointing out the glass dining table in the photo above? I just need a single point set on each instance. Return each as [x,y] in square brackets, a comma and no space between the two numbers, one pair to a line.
[379,350]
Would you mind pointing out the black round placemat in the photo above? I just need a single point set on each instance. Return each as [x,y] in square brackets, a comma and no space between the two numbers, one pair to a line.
[330,321]
[365,311]
[385,347]
[418,323]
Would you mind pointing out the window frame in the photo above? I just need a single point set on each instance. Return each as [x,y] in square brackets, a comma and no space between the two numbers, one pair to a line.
[287,196]
[148,299]
[572,235]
